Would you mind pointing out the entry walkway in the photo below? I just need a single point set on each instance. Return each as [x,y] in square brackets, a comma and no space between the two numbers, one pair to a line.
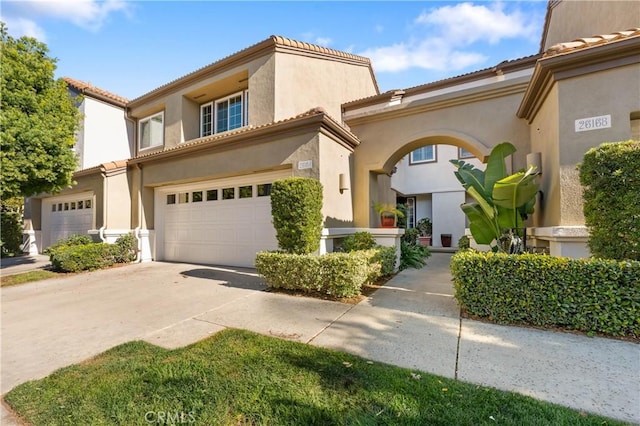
[413,321]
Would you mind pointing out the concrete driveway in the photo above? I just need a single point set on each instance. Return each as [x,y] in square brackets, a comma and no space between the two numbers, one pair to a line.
[58,322]
[413,321]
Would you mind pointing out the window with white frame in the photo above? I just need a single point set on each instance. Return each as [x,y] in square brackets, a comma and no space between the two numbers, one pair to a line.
[224,114]
[463,153]
[151,131]
[426,154]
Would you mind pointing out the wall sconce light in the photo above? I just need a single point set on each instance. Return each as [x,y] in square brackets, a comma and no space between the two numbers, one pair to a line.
[342,183]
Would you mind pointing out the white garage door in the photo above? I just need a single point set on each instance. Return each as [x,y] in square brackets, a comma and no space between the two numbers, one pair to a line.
[223,222]
[65,216]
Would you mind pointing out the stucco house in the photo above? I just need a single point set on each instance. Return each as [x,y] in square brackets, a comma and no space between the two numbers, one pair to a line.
[206,147]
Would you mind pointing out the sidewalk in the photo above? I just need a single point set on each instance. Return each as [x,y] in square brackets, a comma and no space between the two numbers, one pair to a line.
[413,321]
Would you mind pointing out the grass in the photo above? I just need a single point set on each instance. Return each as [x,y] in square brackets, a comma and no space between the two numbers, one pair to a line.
[27,277]
[243,378]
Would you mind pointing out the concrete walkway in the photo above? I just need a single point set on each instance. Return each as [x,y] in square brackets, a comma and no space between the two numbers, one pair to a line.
[413,321]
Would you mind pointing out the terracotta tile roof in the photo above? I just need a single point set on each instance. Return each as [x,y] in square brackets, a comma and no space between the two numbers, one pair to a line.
[596,40]
[89,89]
[314,112]
[271,42]
[509,65]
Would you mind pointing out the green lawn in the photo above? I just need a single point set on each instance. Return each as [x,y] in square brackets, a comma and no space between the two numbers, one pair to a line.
[239,378]
[27,277]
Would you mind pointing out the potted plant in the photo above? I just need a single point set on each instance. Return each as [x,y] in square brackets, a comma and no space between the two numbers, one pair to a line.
[389,214]
[425,228]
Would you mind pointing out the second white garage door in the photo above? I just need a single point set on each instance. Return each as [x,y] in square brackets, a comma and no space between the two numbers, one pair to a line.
[223,222]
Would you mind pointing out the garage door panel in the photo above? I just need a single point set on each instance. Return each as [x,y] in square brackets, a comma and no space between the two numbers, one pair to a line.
[225,232]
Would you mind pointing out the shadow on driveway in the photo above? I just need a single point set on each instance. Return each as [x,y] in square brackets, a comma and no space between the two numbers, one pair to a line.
[243,278]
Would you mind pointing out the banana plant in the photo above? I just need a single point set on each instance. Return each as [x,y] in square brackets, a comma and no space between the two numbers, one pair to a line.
[502,201]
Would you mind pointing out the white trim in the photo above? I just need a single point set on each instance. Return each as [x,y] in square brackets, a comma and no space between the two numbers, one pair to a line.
[149,118]
[226,99]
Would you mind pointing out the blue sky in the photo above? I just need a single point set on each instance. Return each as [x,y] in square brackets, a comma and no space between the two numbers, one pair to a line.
[131,47]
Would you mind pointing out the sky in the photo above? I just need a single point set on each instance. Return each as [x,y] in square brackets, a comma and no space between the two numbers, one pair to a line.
[132,47]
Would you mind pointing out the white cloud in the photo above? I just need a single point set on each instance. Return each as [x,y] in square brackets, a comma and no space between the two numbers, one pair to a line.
[466,23]
[19,27]
[449,38]
[323,41]
[88,14]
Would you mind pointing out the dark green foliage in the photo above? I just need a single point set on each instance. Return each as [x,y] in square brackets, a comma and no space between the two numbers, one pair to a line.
[590,295]
[413,255]
[79,253]
[82,257]
[464,243]
[359,241]
[11,227]
[610,175]
[401,221]
[296,207]
[335,274]
[127,246]
[38,120]
[411,236]
[74,240]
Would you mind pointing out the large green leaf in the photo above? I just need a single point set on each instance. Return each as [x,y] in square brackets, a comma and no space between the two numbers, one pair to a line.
[484,204]
[516,190]
[481,226]
[496,168]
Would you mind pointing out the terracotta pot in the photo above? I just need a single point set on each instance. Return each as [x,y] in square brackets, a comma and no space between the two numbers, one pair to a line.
[425,241]
[388,221]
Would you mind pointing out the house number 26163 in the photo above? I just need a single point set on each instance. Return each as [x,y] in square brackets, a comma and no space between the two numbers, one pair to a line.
[593,123]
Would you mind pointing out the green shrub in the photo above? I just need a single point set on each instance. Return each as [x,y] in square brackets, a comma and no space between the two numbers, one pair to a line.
[125,249]
[413,255]
[343,274]
[296,207]
[74,240]
[464,243]
[590,295]
[411,236]
[79,253]
[358,241]
[290,271]
[11,227]
[335,274]
[610,175]
[82,257]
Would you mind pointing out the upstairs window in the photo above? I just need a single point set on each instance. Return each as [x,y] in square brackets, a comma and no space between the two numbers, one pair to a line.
[224,114]
[426,154]
[152,131]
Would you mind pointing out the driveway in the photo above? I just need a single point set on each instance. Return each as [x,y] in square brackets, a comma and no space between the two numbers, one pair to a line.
[413,321]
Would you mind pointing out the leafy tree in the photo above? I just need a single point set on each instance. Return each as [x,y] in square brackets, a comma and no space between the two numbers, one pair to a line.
[38,121]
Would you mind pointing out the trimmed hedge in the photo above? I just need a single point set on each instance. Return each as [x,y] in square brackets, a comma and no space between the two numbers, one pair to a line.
[79,253]
[335,274]
[610,174]
[590,295]
[296,207]
[359,241]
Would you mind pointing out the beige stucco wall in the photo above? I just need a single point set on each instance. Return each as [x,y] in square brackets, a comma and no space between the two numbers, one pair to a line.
[335,159]
[590,96]
[117,211]
[572,19]
[246,158]
[544,139]
[307,82]
[281,85]
[475,125]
